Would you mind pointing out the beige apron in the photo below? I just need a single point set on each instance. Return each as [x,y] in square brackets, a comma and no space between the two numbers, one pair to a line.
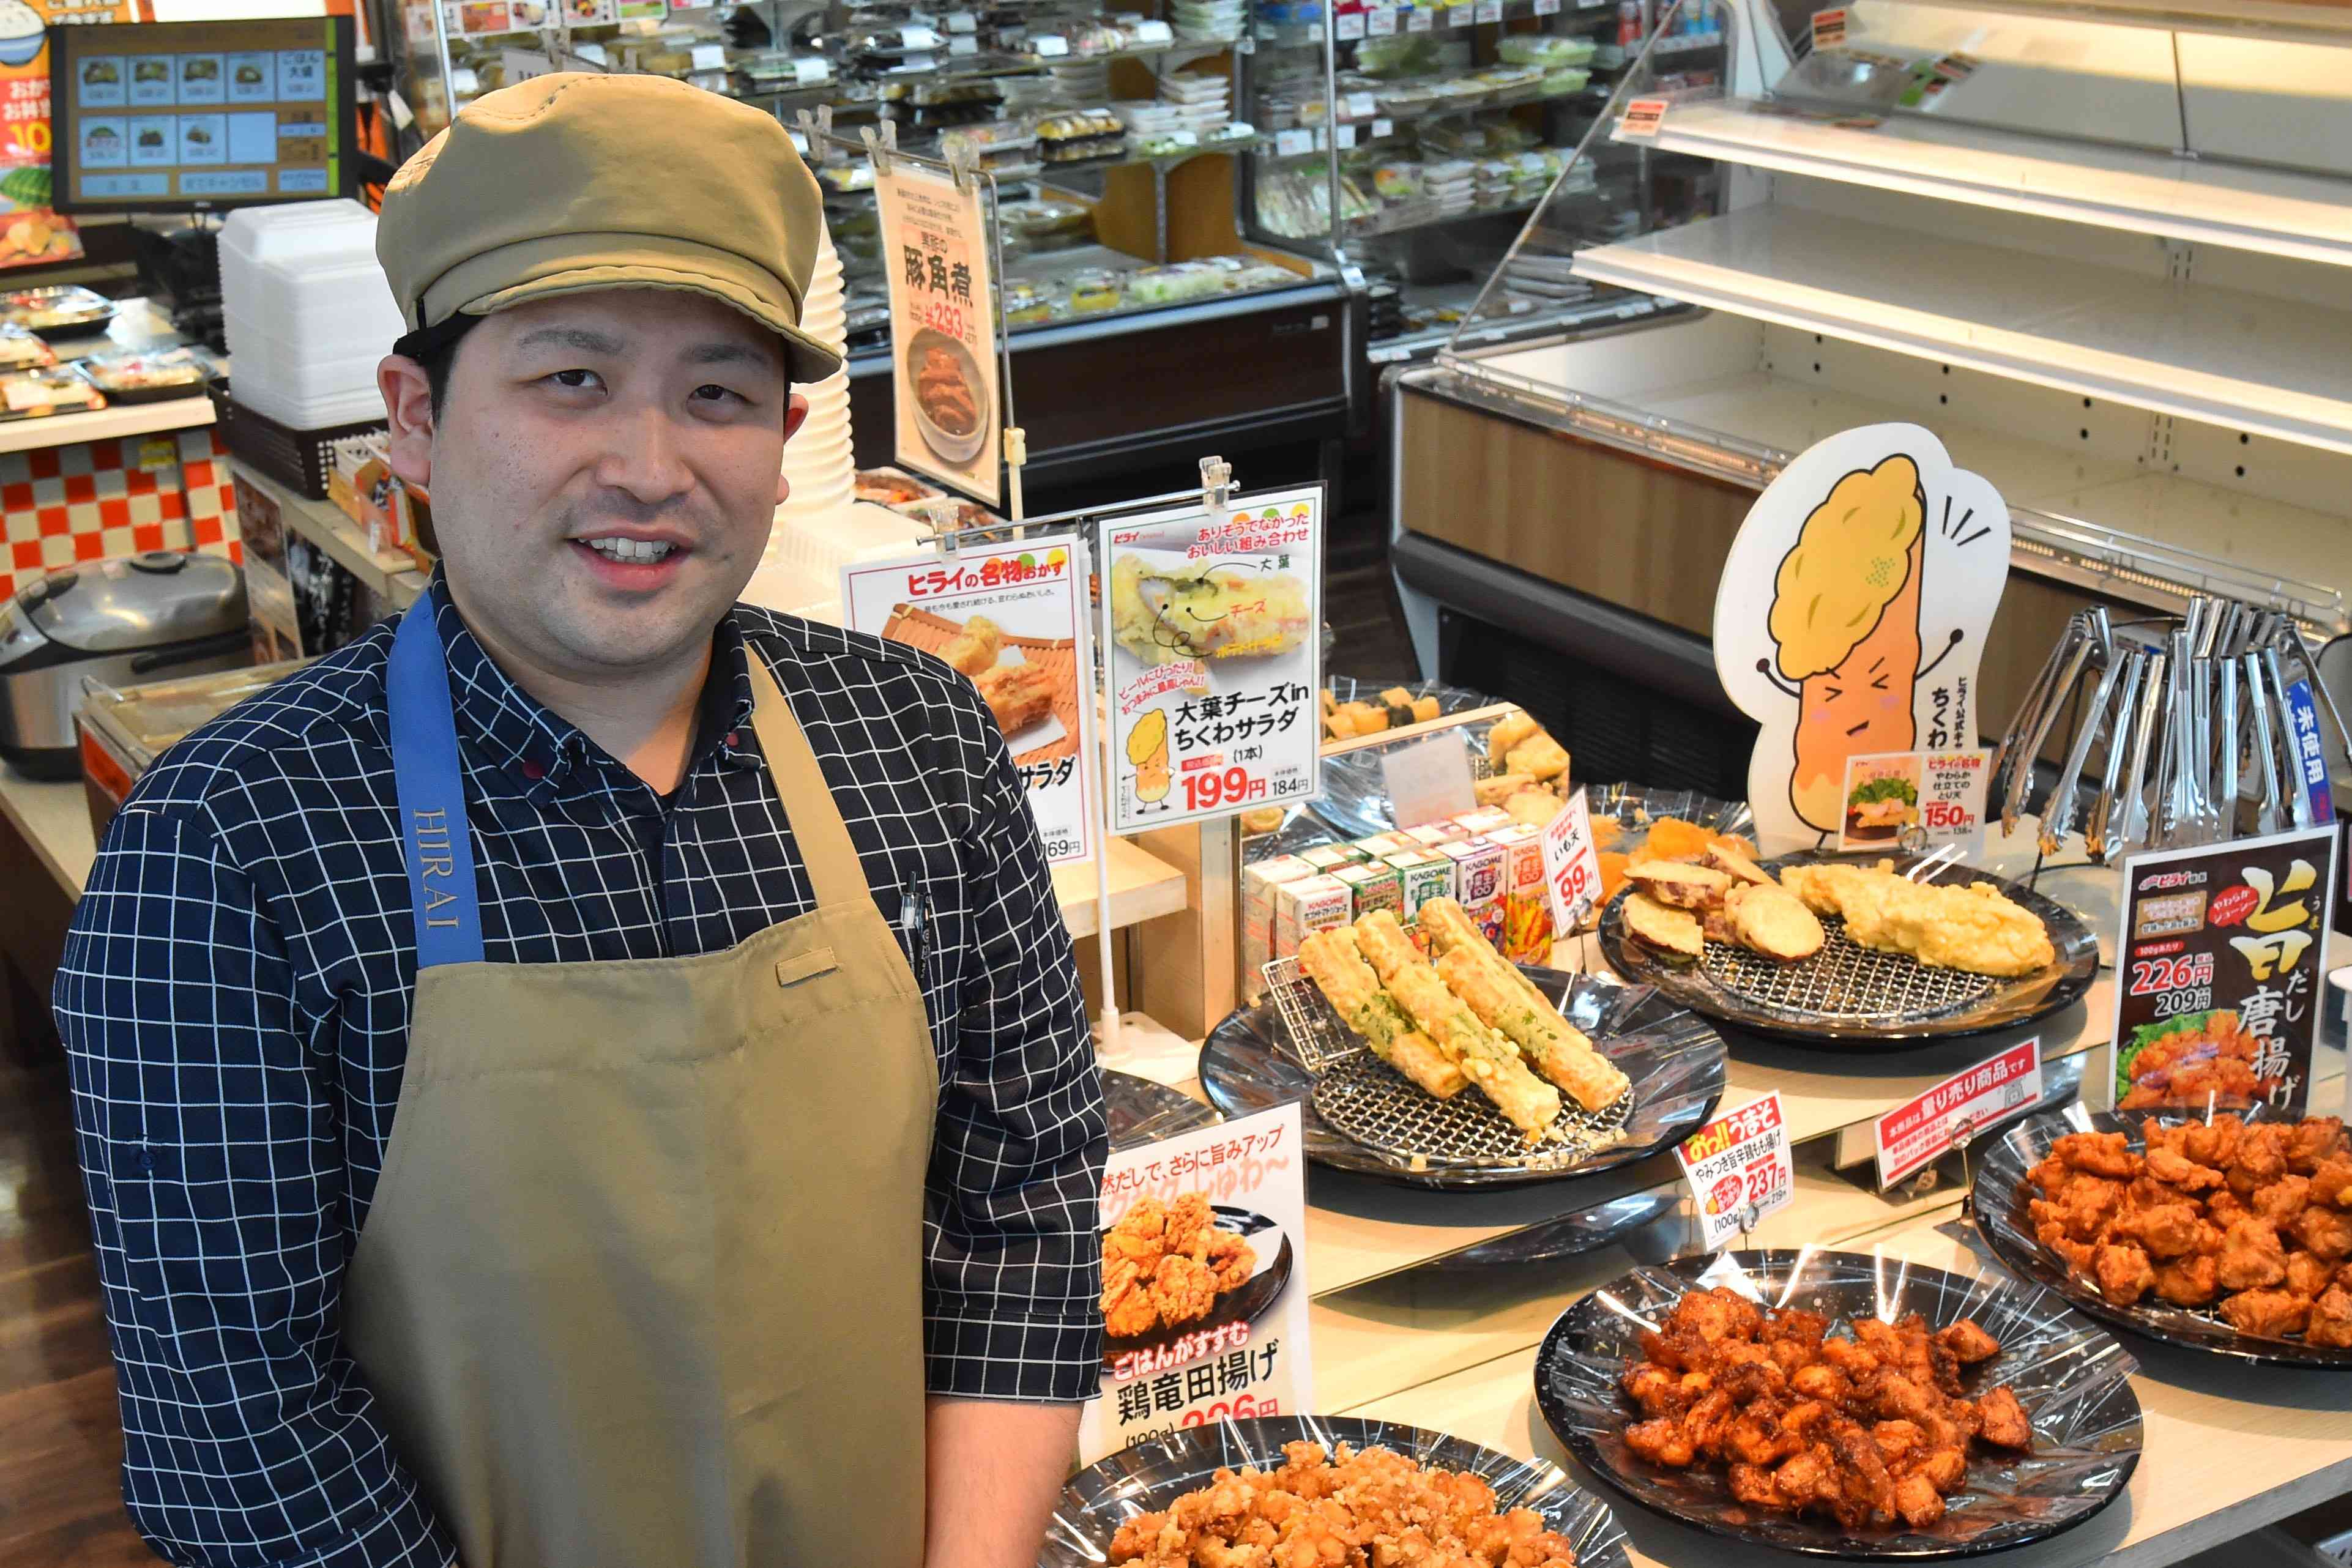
[642,1284]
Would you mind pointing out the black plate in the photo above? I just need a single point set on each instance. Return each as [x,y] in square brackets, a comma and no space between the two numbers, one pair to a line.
[2072,1378]
[2001,1216]
[1989,1004]
[1675,1060]
[1142,1112]
[1151,1475]
[1245,1305]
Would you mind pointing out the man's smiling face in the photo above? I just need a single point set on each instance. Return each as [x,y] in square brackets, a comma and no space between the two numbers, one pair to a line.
[604,472]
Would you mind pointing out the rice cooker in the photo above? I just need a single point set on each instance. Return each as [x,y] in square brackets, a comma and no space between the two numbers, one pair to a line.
[157,614]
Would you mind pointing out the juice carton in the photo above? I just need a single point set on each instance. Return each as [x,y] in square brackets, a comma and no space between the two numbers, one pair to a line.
[1259,879]
[1309,905]
[1373,885]
[1331,857]
[1431,835]
[1382,845]
[1527,905]
[1485,820]
[1426,874]
[1478,883]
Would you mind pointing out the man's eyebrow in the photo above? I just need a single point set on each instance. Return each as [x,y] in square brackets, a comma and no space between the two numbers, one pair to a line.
[585,339]
[731,352]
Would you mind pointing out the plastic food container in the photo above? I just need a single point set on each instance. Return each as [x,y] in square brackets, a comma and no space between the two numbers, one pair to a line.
[67,310]
[29,394]
[150,377]
[1096,289]
[22,349]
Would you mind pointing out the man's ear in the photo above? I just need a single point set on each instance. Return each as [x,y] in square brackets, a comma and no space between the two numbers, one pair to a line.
[796,413]
[408,409]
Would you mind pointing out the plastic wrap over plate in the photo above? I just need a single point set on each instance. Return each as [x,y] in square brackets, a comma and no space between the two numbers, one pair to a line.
[2001,1215]
[1847,995]
[1675,1063]
[1148,1476]
[1142,1112]
[2071,1376]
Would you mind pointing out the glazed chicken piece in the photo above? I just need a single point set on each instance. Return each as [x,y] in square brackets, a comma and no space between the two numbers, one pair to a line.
[1969,1341]
[2003,1420]
[2251,1257]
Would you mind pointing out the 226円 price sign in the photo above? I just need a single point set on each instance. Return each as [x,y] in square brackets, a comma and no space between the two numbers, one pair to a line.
[1008,617]
[935,247]
[2218,984]
[1211,627]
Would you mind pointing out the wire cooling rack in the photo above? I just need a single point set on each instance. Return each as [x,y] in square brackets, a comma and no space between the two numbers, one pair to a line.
[1845,982]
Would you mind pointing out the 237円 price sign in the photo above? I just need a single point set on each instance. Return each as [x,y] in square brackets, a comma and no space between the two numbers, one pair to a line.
[2219,972]
[1738,1169]
[935,247]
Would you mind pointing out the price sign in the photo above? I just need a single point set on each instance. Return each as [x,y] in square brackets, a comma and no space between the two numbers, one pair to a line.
[1032,594]
[1161,1378]
[1490,10]
[1360,106]
[1547,7]
[1049,46]
[1383,128]
[1380,22]
[2220,954]
[1915,1134]
[1915,799]
[962,44]
[943,331]
[1461,15]
[1345,135]
[1349,25]
[1420,19]
[1829,27]
[1213,709]
[1641,119]
[1292,143]
[709,56]
[1572,865]
[1739,1169]
[1428,780]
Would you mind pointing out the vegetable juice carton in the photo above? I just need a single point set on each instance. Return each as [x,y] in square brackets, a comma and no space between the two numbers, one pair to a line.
[1478,883]
[1382,845]
[1327,858]
[1309,905]
[1375,884]
[1259,881]
[1485,820]
[1527,906]
[1434,835]
[1426,874]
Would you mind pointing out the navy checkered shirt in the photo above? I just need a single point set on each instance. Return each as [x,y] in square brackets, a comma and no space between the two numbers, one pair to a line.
[234,998]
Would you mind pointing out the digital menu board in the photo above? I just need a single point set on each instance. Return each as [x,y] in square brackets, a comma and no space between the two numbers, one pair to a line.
[199,115]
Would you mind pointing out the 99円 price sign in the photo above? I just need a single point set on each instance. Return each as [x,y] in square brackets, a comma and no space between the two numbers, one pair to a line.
[1738,1169]
[2218,989]
[1572,865]
[1009,618]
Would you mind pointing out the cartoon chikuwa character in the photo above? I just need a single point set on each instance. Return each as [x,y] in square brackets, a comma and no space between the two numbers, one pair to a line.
[1146,748]
[1846,616]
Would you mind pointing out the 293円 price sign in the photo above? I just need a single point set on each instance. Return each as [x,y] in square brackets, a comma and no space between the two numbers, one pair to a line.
[1009,618]
[1212,627]
[936,251]
[2219,971]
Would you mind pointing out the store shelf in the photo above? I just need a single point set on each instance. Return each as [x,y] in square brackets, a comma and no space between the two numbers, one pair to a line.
[390,573]
[54,820]
[1141,888]
[2229,1447]
[105,424]
[1375,227]
[2269,210]
[2247,362]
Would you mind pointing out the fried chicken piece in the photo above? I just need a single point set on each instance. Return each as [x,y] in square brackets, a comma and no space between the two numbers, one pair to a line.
[2003,1422]
[2176,1169]
[2266,1314]
[1822,1382]
[1231,1261]
[1866,1490]
[1138,1237]
[1662,1442]
[2325,1233]
[1129,1311]
[2311,1141]
[1719,1314]
[2331,1182]
[1189,1221]
[1917,1500]
[2050,1175]
[2308,1276]
[2105,1154]
[2224,1208]
[2260,1158]
[2330,1323]
[2282,1200]
[1756,1487]
[1657,1390]
[2171,1231]
[1182,1289]
[2122,1272]
[2213,1143]
[2251,1257]
[2191,1281]
[1946,1467]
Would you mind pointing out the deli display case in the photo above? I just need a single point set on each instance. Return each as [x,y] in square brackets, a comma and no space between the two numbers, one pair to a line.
[1113,139]
[2101,255]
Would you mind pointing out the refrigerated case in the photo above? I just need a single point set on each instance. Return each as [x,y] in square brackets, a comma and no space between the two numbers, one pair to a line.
[1145,324]
[2105,259]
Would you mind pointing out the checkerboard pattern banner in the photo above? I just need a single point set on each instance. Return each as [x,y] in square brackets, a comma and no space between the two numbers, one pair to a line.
[98,500]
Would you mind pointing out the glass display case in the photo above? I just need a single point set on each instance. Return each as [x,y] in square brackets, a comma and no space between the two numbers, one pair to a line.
[1113,138]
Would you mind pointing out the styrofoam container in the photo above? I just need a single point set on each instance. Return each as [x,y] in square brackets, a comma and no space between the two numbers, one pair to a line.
[279,263]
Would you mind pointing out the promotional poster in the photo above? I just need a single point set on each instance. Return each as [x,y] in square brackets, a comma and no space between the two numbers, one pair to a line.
[1212,628]
[1009,617]
[1204,1283]
[935,248]
[31,232]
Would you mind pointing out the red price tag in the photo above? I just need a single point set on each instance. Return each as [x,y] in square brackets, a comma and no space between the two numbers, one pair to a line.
[1209,789]
[1642,118]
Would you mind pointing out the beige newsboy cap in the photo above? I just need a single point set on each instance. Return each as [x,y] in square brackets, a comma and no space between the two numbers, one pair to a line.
[576,182]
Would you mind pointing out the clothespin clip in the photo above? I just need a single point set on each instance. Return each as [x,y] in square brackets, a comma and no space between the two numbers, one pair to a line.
[1964,1133]
[963,166]
[1216,482]
[879,148]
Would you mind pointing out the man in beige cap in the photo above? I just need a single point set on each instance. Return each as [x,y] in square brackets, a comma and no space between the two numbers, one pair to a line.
[591,1073]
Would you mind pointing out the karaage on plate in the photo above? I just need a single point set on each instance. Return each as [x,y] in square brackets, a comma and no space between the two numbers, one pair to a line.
[2252,1220]
[1868,1427]
[1164,1265]
[1367,1507]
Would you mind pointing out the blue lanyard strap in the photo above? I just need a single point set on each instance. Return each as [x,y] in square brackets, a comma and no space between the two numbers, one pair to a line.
[431,785]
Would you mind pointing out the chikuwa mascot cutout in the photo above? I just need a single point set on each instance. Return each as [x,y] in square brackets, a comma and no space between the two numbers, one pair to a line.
[1851,616]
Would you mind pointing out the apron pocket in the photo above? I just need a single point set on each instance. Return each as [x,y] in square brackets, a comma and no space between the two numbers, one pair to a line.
[806,967]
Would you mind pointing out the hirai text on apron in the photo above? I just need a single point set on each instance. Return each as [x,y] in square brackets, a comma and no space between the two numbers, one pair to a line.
[642,1284]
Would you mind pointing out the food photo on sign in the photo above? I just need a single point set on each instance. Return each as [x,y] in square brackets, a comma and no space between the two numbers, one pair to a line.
[1209,621]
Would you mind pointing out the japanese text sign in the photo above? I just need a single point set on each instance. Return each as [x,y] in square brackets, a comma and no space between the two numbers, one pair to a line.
[1204,1283]
[2218,968]
[935,247]
[1211,627]
[1917,799]
[1915,1135]
[1010,617]
[1429,781]
[1850,617]
[1572,865]
[31,231]
[2310,755]
[1738,1169]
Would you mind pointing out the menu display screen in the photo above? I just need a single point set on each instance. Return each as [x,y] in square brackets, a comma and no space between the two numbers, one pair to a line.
[202,114]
